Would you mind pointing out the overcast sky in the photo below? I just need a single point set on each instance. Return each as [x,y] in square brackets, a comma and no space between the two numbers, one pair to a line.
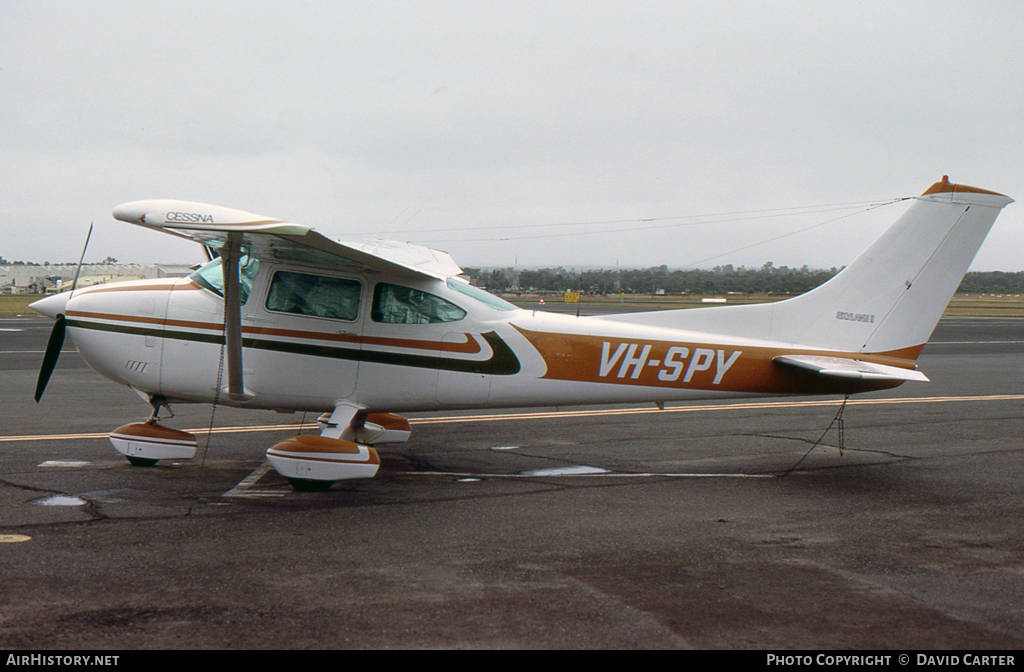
[476,127]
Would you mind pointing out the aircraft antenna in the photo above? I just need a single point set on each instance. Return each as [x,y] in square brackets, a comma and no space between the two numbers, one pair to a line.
[382,229]
[78,269]
[397,229]
[793,233]
[377,235]
[654,223]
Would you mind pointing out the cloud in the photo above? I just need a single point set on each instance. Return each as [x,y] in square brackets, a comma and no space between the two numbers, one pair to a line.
[345,115]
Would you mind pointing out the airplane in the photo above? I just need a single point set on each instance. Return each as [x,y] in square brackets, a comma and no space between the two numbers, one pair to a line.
[287,319]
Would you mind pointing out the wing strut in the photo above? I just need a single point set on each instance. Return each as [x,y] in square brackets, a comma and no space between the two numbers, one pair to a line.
[230,254]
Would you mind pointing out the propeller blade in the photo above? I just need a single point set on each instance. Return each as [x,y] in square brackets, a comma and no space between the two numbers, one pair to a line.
[60,327]
[53,348]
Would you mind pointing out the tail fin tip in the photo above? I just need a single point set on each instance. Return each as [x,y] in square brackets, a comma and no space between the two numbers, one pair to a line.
[944,186]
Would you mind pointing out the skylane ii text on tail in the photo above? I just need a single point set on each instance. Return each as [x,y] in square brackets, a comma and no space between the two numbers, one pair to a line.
[360,333]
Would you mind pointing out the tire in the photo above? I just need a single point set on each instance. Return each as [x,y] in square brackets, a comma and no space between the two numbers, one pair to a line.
[310,485]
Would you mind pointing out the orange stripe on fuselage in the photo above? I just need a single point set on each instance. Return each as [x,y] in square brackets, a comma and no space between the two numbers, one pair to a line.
[903,354]
[142,286]
[690,365]
[471,346]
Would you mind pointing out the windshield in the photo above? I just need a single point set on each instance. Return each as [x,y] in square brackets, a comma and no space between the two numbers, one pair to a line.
[212,277]
[480,295]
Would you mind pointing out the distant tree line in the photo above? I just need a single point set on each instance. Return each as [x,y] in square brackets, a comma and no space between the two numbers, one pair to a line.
[768,279]
[993,282]
[7,262]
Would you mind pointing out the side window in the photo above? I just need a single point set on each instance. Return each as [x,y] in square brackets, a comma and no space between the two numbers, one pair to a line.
[395,304]
[314,295]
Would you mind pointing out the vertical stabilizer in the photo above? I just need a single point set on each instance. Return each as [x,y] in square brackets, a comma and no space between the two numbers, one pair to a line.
[888,300]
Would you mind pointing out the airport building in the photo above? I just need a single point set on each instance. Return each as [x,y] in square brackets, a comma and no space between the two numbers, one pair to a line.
[42,279]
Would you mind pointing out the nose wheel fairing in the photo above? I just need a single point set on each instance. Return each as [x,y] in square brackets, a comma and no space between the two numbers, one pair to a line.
[146,443]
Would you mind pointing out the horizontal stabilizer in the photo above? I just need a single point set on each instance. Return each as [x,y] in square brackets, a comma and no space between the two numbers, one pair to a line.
[839,367]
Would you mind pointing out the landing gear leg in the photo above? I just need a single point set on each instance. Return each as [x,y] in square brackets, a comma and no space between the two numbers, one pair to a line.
[156,401]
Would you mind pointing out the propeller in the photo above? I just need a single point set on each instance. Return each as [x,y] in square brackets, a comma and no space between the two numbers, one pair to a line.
[56,342]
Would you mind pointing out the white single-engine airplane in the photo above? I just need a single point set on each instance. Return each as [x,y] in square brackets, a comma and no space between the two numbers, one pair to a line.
[286,319]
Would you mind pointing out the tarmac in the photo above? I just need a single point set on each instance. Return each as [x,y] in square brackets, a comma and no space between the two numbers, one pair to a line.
[726,525]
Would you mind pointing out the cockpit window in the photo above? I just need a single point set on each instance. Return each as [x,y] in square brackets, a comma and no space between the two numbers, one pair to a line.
[211,276]
[480,295]
[395,304]
[314,295]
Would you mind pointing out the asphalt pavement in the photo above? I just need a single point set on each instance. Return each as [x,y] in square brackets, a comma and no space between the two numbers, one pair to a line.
[734,525]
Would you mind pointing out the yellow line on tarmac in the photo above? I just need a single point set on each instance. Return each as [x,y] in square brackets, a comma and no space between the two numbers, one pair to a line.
[202,431]
[710,407]
[547,415]
[14,538]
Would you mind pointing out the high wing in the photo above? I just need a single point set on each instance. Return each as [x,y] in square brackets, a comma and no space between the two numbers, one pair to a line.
[234,233]
[268,239]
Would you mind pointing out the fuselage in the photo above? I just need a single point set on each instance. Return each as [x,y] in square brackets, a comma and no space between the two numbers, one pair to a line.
[312,339]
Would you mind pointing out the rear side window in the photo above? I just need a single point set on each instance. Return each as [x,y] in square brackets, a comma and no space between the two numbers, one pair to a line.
[395,304]
[314,295]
